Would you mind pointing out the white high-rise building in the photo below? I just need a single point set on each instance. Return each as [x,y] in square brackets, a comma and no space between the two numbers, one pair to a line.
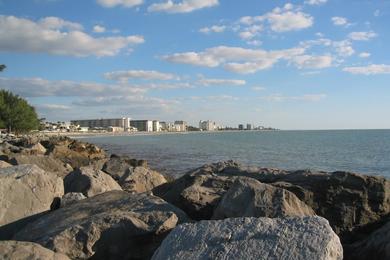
[207,125]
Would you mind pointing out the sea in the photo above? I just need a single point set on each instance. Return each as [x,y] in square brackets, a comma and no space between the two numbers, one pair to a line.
[361,151]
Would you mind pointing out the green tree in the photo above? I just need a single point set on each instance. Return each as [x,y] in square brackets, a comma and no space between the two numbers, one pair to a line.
[2,67]
[16,114]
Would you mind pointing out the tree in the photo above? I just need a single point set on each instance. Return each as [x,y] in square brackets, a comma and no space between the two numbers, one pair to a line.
[16,114]
[2,67]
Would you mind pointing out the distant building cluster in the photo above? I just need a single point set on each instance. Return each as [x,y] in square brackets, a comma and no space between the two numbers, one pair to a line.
[125,124]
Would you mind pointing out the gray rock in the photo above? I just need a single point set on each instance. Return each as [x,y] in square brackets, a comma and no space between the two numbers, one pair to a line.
[46,163]
[118,167]
[12,250]
[37,149]
[197,194]
[141,179]
[89,181]
[374,246]
[26,190]
[252,238]
[112,225]
[248,197]
[70,198]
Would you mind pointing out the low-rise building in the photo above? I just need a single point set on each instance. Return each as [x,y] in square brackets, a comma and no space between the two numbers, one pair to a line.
[180,126]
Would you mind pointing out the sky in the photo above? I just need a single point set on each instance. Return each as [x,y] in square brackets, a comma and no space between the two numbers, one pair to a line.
[305,64]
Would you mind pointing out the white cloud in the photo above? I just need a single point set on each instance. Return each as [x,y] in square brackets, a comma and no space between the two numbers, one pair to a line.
[53,107]
[287,18]
[312,62]
[129,101]
[315,2]
[373,69]
[343,48]
[364,55]
[124,76]
[362,36]
[185,6]
[213,29]
[57,37]
[99,29]
[235,59]
[124,3]
[222,82]
[283,20]
[340,21]
[38,87]
[306,97]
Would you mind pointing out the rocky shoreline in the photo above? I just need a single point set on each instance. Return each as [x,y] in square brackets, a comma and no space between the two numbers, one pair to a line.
[64,199]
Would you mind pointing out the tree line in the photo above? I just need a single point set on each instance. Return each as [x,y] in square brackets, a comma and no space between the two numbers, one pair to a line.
[16,115]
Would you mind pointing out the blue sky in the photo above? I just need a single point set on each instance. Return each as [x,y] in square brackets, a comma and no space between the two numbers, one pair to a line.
[307,64]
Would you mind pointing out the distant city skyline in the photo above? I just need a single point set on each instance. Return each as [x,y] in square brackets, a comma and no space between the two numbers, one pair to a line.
[302,64]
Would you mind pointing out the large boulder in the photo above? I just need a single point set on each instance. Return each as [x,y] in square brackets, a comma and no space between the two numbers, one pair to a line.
[47,163]
[89,182]
[199,191]
[11,250]
[118,167]
[248,197]
[374,246]
[141,179]
[253,238]
[26,190]
[132,175]
[351,202]
[112,225]
[197,195]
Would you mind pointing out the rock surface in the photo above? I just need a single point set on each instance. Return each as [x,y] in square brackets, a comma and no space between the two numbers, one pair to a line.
[132,175]
[375,246]
[248,197]
[26,190]
[70,198]
[89,182]
[12,250]
[253,238]
[46,163]
[112,225]
[75,153]
[118,167]
[141,179]
[4,164]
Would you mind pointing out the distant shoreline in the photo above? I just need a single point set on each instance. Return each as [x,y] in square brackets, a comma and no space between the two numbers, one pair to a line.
[96,134]
[76,135]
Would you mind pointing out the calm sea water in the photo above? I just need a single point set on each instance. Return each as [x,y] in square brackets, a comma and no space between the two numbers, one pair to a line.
[364,151]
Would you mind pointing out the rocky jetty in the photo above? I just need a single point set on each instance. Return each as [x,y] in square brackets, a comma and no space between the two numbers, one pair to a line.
[65,199]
